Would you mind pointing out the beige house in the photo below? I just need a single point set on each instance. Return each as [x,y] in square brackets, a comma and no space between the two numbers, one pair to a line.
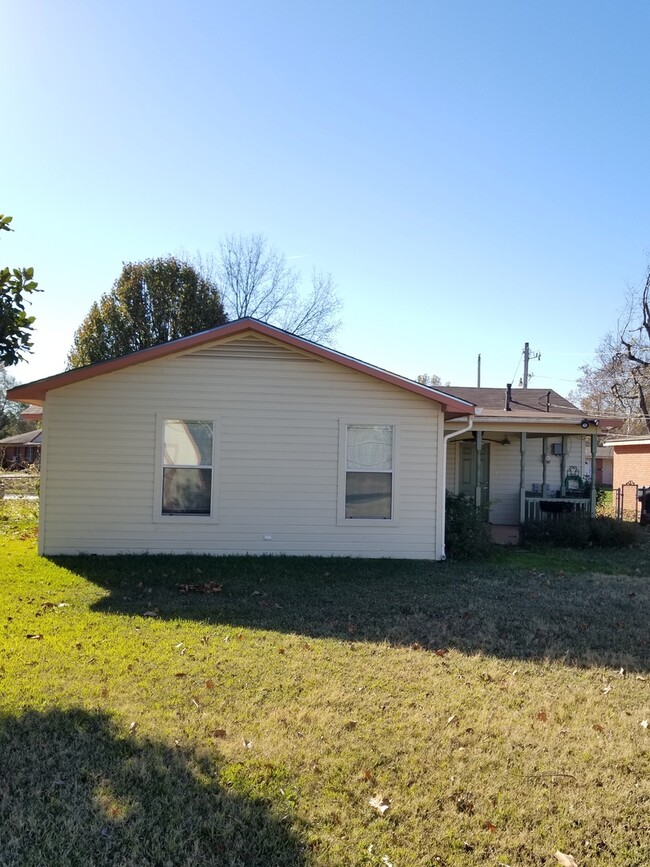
[241,439]
[247,439]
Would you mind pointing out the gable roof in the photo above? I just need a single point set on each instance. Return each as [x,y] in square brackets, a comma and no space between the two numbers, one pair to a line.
[36,392]
[32,437]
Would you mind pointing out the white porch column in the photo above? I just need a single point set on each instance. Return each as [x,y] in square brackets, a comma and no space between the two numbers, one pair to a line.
[594,448]
[479,455]
[522,478]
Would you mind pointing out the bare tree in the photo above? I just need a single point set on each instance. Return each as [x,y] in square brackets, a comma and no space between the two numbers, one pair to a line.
[619,382]
[634,353]
[255,280]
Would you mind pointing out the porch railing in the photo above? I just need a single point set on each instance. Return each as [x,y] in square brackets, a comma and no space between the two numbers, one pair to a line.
[554,509]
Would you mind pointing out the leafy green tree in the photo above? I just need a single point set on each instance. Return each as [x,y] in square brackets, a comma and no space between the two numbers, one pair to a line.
[151,302]
[15,325]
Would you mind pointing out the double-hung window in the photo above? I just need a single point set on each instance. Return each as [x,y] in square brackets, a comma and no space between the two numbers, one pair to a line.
[187,467]
[368,455]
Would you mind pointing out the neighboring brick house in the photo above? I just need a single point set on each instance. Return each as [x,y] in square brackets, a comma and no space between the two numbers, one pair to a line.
[604,466]
[631,461]
[22,450]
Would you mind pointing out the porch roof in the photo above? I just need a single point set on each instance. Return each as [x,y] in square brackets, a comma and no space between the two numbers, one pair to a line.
[529,408]
[523,401]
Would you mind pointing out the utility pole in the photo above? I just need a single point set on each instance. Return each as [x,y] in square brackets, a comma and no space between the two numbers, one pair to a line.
[528,355]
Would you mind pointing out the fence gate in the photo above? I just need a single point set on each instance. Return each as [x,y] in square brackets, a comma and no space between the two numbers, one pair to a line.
[633,503]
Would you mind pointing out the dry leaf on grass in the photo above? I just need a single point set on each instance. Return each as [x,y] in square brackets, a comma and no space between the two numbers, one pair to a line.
[218,733]
[207,587]
[565,860]
[381,805]
[367,776]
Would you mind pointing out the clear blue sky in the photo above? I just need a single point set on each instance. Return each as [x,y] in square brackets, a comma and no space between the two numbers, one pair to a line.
[474,174]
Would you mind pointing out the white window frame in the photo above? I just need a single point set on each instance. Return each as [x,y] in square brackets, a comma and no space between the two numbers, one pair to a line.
[341,520]
[185,415]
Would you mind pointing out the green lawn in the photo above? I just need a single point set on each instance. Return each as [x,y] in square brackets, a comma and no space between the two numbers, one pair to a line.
[240,711]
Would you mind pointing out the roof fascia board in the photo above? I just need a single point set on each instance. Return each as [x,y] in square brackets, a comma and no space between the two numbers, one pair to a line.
[644,441]
[529,425]
[35,392]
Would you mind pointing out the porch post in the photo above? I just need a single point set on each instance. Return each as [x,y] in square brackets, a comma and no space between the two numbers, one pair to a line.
[563,465]
[479,452]
[522,478]
[544,451]
[594,448]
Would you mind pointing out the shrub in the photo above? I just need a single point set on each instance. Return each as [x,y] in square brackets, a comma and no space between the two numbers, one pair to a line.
[610,533]
[567,531]
[605,503]
[576,531]
[467,533]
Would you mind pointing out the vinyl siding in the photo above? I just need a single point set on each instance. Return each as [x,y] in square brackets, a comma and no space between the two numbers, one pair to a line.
[277,461]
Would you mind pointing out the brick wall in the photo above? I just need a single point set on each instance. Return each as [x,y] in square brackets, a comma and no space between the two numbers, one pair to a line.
[632,464]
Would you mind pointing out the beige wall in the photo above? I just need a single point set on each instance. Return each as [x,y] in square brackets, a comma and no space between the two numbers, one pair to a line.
[277,466]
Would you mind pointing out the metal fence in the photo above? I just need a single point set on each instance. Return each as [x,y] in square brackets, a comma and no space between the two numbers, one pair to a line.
[632,503]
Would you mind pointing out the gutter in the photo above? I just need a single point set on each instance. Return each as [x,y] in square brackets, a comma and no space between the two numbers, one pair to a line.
[442,481]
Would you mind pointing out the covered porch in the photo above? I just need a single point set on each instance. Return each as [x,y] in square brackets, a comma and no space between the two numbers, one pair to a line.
[523,476]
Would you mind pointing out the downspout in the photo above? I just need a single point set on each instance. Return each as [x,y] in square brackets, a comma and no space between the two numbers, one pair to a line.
[442,481]
[42,492]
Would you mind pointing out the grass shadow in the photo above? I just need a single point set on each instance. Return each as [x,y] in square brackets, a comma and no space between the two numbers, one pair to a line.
[514,612]
[76,791]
